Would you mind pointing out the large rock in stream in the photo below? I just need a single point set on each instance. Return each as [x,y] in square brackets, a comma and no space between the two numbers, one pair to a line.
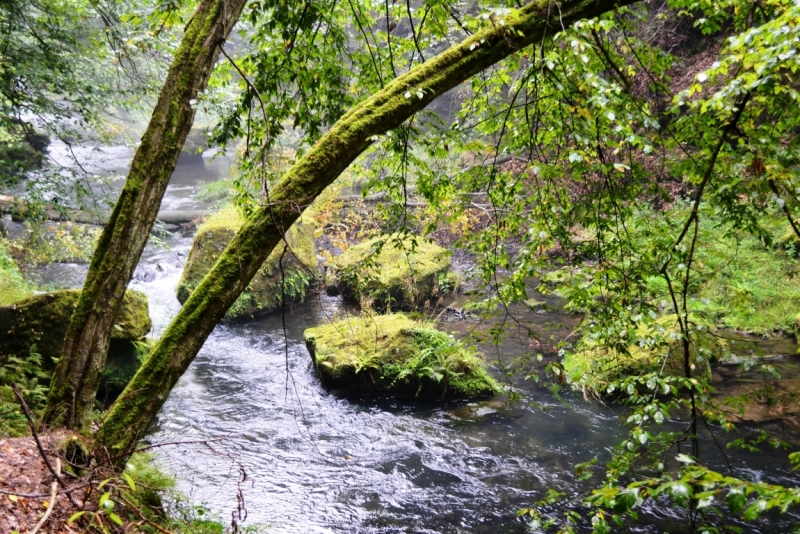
[394,355]
[392,273]
[39,323]
[282,274]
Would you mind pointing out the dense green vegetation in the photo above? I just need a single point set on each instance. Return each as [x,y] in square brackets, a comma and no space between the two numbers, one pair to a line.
[13,284]
[640,160]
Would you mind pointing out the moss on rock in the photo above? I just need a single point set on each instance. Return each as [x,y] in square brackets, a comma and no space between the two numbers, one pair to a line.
[392,273]
[42,320]
[263,294]
[40,323]
[392,354]
[124,359]
[594,367]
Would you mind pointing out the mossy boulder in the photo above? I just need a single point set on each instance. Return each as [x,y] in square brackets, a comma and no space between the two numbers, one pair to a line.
[392,273]
[263,294]
[392,354]
[593,367]
[42,320]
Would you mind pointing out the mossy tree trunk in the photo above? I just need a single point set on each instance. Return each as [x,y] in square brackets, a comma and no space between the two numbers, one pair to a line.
[77,375]
[132,413]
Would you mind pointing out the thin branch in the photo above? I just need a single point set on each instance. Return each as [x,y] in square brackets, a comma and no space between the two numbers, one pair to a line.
[774,187]
[32,425]
[413,32]
[51,505]
[611,62]
[39,495]
[707,176]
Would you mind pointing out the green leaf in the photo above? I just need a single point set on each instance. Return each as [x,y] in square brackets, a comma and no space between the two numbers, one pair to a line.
[129,480]
[75,516]
[115,518]
[736,500]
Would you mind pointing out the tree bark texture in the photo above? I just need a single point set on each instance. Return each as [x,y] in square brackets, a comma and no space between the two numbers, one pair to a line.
[132,413]
[75,380]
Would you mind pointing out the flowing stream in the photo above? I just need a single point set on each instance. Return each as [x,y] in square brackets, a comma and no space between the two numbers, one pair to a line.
[281,452]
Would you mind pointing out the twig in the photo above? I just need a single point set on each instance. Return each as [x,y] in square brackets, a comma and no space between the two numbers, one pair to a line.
[39,495]
[166,444]
[29,417]
[707,175]
[53,489]
[31,424]
[785,208]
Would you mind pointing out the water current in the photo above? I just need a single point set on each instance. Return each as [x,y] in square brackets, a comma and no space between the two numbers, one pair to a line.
[281,452]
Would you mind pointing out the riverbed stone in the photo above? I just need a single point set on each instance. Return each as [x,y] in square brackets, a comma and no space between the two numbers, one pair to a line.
[263,294]
[391,273]
[395,355]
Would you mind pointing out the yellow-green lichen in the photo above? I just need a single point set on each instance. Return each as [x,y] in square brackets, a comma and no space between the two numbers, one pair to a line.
[392,354]
[393,272]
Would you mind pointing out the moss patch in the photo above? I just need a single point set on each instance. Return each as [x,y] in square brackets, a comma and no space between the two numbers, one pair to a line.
[660,349]
[391,354]
[392,273]
[264,293]
[124,359]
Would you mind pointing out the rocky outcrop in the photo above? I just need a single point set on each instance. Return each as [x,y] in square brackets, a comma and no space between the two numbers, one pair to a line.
[392,273]
[394,355]
[279,277]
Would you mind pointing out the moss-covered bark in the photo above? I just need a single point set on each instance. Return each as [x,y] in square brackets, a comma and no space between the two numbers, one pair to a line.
[83,357]
[130,416]
[282,276]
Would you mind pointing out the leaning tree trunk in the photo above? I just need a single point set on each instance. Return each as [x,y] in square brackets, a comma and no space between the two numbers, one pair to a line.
[134,410]
[76,378]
